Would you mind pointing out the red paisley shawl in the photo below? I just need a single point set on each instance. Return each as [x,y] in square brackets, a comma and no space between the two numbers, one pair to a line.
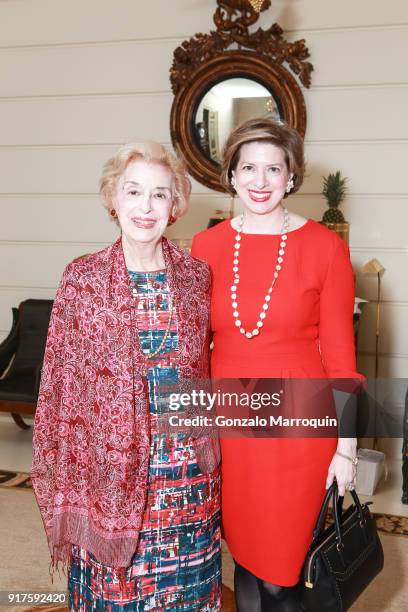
[91,437]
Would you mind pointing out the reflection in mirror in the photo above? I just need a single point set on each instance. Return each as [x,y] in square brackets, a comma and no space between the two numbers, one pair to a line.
[225,106]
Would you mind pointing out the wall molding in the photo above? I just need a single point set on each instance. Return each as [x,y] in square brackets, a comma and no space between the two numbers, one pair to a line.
[54,243]
[23,288]
[393,303]
[44,243]
[179,39]
[356,28]
[168,92]
[196,194]
[81,95]
[362,249]
[118,143]
[210,194]
[382,354]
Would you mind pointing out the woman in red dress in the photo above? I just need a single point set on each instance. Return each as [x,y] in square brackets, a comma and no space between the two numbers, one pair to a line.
[282,307]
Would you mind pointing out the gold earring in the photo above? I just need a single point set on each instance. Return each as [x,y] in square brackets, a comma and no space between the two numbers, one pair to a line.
[112,213]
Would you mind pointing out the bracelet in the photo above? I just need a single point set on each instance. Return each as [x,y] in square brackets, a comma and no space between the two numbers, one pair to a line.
[354,460]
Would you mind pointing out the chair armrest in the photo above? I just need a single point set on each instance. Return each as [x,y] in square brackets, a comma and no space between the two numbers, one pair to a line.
[9,345]
[38,372]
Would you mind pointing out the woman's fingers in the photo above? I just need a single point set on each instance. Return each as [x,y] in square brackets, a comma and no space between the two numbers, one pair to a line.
[341,487]
[330,478]
[343,471]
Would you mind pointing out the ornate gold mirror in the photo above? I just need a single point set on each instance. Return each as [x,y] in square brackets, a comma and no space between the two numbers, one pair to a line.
[217,87]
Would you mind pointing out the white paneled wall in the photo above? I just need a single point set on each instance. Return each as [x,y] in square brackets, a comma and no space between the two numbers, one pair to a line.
[80,77]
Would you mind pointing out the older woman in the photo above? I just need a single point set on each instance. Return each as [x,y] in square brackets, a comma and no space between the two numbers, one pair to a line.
[282,307]
[132,511]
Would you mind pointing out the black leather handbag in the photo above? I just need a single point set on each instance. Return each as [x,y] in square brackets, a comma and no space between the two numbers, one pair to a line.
[343,559]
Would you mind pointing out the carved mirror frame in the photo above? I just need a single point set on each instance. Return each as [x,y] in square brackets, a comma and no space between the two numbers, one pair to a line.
[204,60]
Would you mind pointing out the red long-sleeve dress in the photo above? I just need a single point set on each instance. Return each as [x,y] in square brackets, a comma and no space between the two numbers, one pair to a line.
[273,487]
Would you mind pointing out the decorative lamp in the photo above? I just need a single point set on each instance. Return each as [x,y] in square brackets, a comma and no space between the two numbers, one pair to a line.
[374,267]
[371,268]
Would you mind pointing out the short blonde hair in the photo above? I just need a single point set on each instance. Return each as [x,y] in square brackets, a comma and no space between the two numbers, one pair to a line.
[149,152]
[264,130]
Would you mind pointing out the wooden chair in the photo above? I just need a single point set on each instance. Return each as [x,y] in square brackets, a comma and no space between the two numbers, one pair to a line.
[21,356]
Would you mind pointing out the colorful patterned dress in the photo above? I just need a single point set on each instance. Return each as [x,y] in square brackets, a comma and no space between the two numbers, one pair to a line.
[177,562]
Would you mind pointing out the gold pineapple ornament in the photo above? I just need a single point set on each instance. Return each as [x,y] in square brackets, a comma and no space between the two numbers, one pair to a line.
[334,190]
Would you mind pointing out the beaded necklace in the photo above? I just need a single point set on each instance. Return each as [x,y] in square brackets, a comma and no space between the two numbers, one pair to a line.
[236,277]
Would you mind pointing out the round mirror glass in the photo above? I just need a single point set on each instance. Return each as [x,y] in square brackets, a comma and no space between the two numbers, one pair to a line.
[225,106]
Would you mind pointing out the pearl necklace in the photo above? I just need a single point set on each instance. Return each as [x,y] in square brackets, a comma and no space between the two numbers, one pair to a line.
[235,282]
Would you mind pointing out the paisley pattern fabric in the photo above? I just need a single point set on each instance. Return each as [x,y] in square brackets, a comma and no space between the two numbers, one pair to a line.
[177,562]
[91,437]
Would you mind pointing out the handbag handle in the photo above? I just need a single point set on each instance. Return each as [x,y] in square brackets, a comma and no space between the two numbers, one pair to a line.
[337,526]
[322,514]
[332,491]
[358,503]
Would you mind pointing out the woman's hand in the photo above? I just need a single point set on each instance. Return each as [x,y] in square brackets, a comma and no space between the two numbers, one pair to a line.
[341,469]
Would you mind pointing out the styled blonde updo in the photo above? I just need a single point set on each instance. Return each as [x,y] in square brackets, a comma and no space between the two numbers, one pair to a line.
[264,130]
[149,152]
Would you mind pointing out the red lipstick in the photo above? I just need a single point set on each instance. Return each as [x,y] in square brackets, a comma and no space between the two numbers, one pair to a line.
[259,196]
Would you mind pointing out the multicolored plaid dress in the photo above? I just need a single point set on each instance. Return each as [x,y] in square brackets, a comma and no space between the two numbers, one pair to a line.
[177,564]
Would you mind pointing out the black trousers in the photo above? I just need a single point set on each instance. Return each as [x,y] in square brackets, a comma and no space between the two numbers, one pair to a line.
[255,595]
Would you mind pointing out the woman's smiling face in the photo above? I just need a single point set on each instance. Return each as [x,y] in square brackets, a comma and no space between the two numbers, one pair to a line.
[261,176]
[143,200]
